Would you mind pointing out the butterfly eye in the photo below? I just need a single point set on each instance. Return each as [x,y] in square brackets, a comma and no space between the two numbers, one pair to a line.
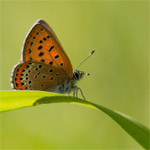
[76,75]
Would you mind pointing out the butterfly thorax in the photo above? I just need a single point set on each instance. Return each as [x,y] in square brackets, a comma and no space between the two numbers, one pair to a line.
[68,86]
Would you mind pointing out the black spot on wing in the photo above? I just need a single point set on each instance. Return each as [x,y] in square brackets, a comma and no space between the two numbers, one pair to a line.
[57,56]
[40,47]
[51,48]
[41,54]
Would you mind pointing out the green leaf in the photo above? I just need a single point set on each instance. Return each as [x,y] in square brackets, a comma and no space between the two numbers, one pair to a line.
[11,100]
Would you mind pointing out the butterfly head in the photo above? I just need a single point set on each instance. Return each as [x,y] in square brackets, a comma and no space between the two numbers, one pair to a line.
[77,74]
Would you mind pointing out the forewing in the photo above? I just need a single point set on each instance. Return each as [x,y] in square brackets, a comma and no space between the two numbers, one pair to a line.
[42,45]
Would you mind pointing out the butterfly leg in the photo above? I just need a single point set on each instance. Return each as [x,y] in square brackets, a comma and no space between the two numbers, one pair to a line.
[75,92]
[81,93]
[68,92]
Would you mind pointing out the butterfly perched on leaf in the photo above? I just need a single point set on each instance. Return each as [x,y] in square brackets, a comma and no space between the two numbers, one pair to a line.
[44,64]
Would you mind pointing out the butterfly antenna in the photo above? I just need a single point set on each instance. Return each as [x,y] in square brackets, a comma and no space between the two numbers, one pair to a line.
[85,59]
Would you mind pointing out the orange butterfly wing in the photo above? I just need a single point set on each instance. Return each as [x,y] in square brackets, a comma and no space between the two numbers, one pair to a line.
[42,45]
[37,76]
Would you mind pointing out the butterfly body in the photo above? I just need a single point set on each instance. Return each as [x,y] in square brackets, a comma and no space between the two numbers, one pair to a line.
[44,64]
[37,76]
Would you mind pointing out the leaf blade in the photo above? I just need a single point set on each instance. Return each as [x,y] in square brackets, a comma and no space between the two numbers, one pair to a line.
[11,100]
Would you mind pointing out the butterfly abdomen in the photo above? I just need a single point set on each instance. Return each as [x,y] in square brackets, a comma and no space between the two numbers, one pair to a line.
[64,87]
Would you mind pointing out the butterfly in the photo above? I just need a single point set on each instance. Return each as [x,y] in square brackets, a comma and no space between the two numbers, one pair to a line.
[44,64]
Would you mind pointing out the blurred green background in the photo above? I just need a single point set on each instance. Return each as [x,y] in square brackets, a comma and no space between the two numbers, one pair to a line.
[118,31]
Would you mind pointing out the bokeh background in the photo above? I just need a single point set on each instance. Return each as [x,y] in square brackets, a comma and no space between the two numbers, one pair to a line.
[118,31]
